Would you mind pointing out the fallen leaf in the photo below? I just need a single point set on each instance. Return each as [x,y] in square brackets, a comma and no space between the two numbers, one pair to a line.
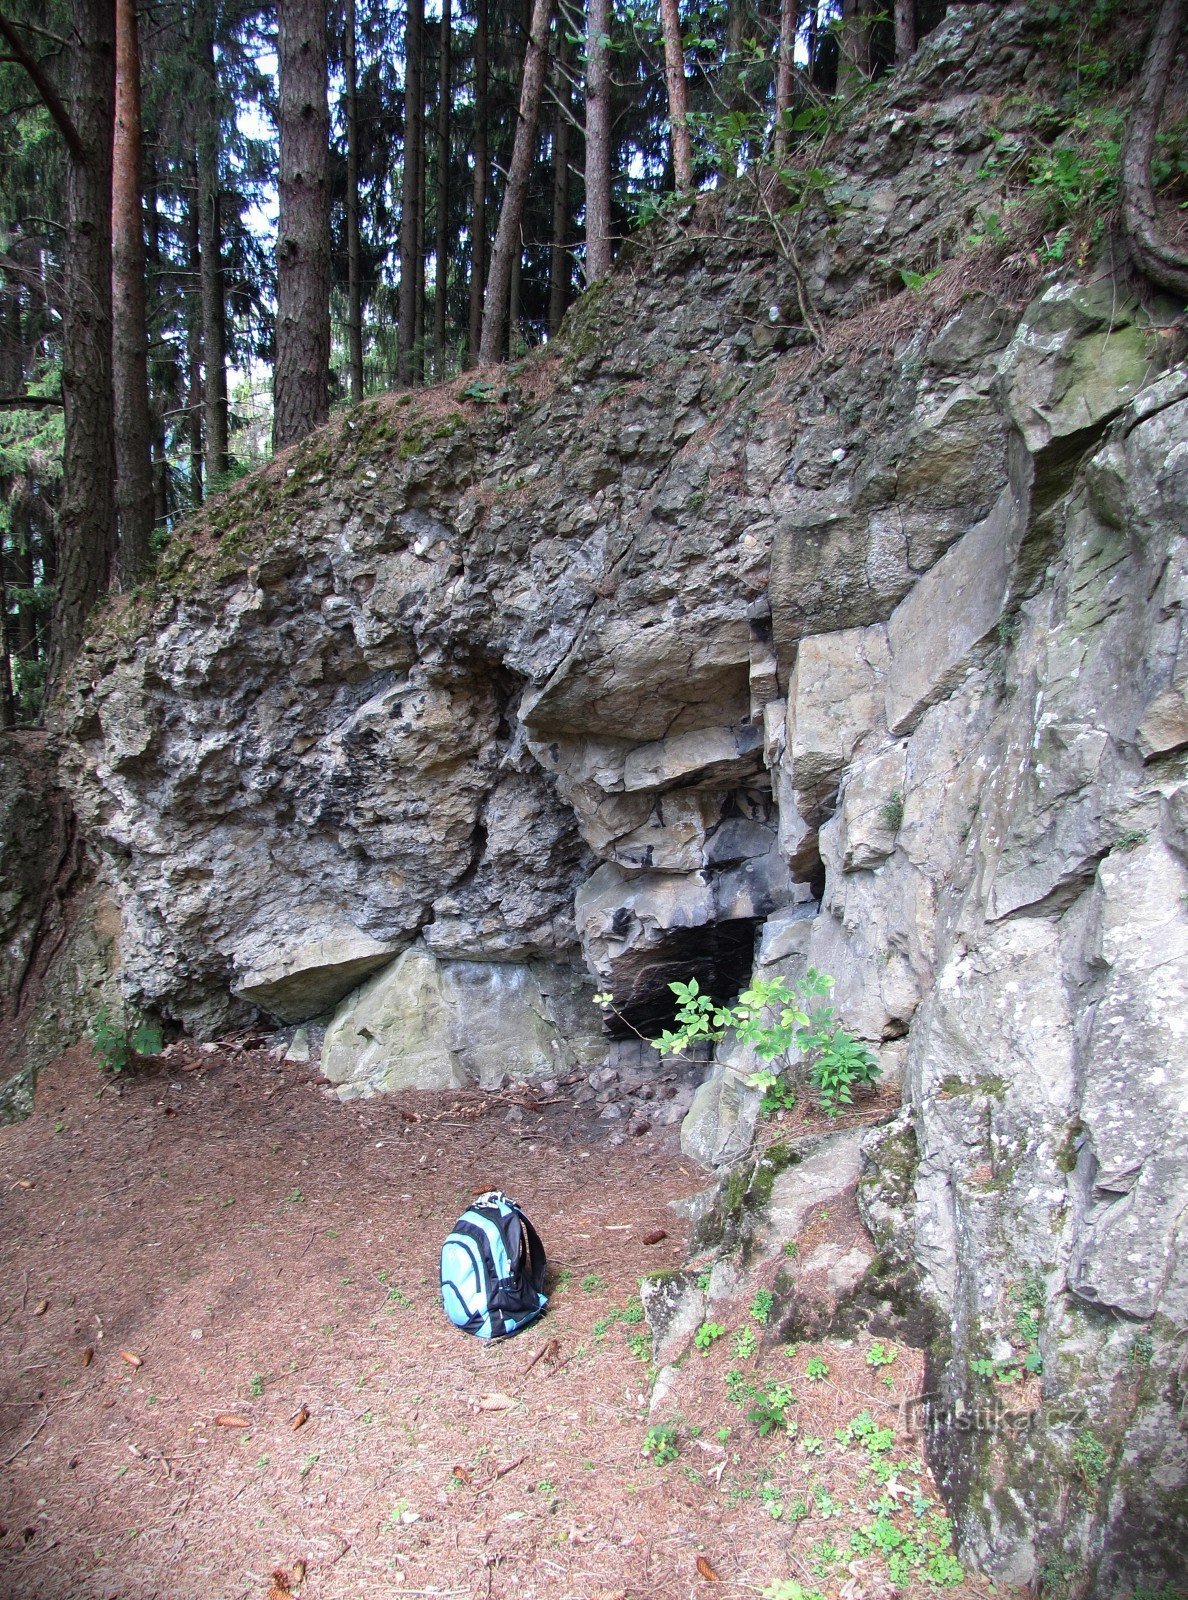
[655,1236]
[227,1419]
[132,1358]
[40,1309]
[707,1571]
[23,1183]
[298,1572]
[279,1589]
[299,1418]
[496,1402]
[463,1474]
[88,1356]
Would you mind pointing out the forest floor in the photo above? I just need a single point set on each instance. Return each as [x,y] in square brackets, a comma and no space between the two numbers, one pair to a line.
[226,1372]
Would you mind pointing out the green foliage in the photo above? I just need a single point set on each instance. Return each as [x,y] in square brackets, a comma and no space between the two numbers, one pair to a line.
[761,1305]
[778,1022]
[708,1334]
[1089,1458]
[771,1408]
[816,1370]
[118,1044]
[481,391]
[880,1355]
[789,1589]
[592,1283]
[661,1446]
[891,811]
[865,1431]
[745,1344]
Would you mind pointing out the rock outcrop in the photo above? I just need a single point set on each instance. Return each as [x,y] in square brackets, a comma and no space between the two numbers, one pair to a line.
[694,649]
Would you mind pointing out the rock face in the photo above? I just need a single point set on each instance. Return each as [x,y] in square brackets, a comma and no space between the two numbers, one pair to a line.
[697,649]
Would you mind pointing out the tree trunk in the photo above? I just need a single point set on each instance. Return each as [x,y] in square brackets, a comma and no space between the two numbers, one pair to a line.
[7,701]
[507,238]
[559,274]
[598,141]
[785,75]
[853,61]
[731,96]
[414,100]
[678,107]
[441,246]
[513,298]
[194,342]
[133,428]
[354,247]
[162,373]
[418,358]
[905,30]
[214,325]
[1159,261]
[478,203]
[87,522]
[301,377]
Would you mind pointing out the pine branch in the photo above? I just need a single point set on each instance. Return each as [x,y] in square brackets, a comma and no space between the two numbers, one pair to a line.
[50,97]
[29,402]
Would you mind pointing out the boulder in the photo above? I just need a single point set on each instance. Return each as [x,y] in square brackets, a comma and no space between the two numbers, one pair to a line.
[296,983]
[429,1024]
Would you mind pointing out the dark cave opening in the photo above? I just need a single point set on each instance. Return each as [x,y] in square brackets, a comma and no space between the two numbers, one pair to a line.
[719,955]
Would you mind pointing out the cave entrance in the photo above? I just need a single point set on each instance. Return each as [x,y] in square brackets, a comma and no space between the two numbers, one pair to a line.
[719,955]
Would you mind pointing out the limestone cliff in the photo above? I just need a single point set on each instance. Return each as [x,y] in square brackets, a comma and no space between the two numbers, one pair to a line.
[693,646]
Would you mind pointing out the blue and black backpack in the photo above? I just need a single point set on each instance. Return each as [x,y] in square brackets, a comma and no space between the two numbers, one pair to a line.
[493,1269]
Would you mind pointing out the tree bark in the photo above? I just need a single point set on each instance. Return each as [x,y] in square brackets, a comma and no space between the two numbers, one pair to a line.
[441,245]
[905,30]
[598,141]
[301,377]
[162,372]
[731,97]
[7,700]
[1155,258]
[478,202]
[414,100]
[418,349]
[354,246]
[559,274]
[785,75]
[194,342]
[678,105]
[210,232]
[133,427]
[507,238]
[87,521]
[853,60]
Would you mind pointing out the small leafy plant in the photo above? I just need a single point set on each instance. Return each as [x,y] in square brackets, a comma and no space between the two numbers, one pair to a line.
[778,1022]
[770,1410]
[117,1045]
[708,1334]
[745,1344]
[660,1445]
[816,1370]
[761,1305]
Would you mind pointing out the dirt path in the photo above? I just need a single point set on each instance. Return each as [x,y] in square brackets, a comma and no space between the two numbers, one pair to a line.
[264,1251]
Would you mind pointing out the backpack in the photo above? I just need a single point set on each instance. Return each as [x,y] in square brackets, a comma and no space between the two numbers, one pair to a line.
[492,1269]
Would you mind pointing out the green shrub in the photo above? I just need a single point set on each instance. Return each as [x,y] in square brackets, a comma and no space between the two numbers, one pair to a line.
[660,1445]
[778,1022]
[118,1045]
